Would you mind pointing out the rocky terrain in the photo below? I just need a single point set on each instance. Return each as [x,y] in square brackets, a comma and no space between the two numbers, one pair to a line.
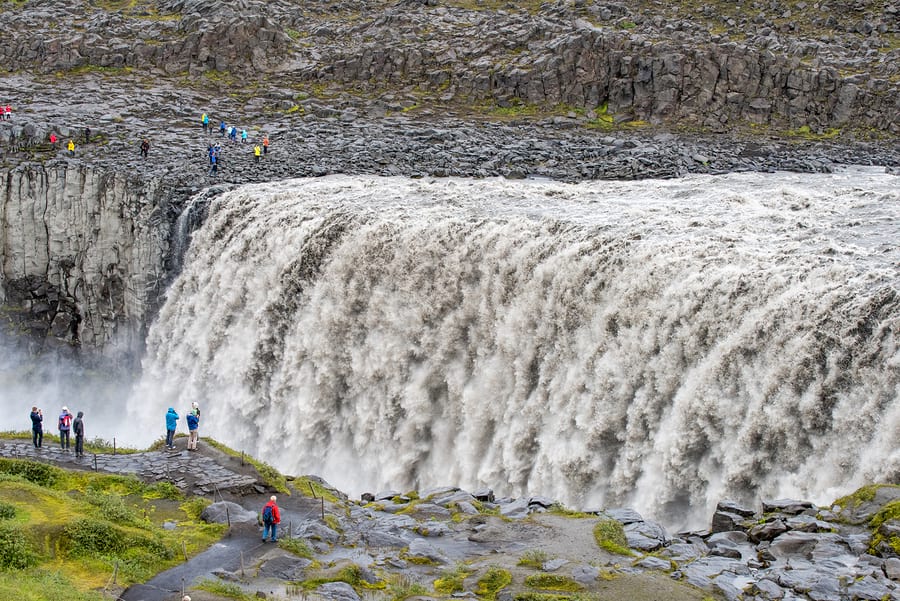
[446,542]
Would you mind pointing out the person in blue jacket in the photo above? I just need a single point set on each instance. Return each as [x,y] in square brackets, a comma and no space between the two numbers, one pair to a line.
[193,422]
[171,424]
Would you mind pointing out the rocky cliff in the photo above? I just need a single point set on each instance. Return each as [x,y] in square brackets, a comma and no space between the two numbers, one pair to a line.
[717,66]
[84,253]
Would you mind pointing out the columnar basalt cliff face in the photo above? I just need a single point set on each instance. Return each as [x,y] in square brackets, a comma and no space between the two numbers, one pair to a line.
[84,255]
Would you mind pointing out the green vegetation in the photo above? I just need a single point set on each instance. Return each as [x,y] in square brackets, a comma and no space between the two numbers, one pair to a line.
[610,536]
[862,495]
[528,596]
[451,581]
[552,582]
[223,589]
[559,509]
[297,546]
[88,526]
[806,133]
[307,486]
[493,581]
[888,513]
[533,558]
[400,588]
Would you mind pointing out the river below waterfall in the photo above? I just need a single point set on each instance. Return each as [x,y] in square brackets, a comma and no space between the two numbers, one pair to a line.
[656,344]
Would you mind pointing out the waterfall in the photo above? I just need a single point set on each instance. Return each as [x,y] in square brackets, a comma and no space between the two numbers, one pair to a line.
[658,344]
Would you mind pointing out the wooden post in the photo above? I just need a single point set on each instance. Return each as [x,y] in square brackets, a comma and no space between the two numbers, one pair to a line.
[290,529]
[323,508]
[228,516]
[184,550]
[115,571]
[182,587]
[242,458]
[95,462]
[114,445]
[312,490]
[242,564]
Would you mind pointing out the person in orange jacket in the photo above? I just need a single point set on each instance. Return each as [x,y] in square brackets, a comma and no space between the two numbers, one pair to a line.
[271,517]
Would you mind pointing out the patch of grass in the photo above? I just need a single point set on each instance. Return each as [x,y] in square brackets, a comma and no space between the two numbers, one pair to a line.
[888,513]
[15,551]
[223,589]
[610,536]
[38,473]
[552,582]
[492,582]
[533,558]
[307,486]
[806,133]
[451,581]
[401,587]
[40,585]
[297,546]
[862,495]
[529,596]
[559,509]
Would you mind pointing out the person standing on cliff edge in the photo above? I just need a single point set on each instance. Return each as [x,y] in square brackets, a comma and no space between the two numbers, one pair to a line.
[193,422]
[37,427]
[65,424]
[78,428]
[171,424]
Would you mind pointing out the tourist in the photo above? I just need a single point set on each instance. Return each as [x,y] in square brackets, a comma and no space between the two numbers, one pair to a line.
[65,424]
[257,151]
[243,136]
[87,135]
[171,424]
[205,120]
[53,139]
[193,422]
[271,517]
[266,145]
[78,427]
[145,147]
[222,128]
[8,111]
[37,427]
[71,147]
[214,164]
[195,409]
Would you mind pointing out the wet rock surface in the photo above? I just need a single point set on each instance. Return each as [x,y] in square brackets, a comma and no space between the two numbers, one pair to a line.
[836,559]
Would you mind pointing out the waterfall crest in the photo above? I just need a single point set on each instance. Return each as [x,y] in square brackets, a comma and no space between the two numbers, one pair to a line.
[656,344]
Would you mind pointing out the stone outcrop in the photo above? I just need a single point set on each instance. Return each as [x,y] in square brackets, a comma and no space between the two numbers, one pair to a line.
[821,67]
[84,255]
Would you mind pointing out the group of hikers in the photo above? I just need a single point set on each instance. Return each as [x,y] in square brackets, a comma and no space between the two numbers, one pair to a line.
[70,146]
[193,424]
[6,112]
[66,426]
[260,147]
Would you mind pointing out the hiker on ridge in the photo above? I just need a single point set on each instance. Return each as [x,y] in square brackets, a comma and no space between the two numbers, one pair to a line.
[171,424]
[193,422]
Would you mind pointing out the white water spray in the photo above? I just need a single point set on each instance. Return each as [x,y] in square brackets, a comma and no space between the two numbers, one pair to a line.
[655,344]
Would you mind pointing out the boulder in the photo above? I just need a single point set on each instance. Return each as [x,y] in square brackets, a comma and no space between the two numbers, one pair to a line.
[222,512]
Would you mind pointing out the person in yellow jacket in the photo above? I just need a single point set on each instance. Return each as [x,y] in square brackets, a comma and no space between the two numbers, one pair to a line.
[71,147]
[256,152]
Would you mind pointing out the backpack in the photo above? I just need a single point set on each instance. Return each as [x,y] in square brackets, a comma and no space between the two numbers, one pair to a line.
[267,516]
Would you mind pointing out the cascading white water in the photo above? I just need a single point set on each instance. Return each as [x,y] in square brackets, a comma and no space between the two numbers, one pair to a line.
[658,344]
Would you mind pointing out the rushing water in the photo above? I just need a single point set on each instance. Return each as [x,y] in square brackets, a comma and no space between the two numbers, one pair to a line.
[658,344]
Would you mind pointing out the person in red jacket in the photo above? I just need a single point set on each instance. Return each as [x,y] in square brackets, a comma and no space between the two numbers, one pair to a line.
[271,517]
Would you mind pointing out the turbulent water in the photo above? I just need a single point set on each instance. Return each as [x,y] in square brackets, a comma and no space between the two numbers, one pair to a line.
[657,344]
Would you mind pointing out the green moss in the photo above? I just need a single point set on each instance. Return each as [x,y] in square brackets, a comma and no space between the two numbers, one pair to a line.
[610,536]
[552,582]
[223,589]
[806,133]
[297,546]
[529,596]
[866,494]
[401,587]
[451,581]
[888,513]
[559,509]
[493,581]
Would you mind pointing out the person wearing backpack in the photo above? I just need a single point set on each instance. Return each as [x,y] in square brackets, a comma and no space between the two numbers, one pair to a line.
[65,424]
[271,517]
[171,424]
[78,428]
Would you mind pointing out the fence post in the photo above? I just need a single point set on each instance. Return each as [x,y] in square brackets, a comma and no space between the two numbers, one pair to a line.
[184,550]
[228,516]
[114,445]
[115,571]
[242,458]
[95,462]
[242,564]
[323,508]
[312,490]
